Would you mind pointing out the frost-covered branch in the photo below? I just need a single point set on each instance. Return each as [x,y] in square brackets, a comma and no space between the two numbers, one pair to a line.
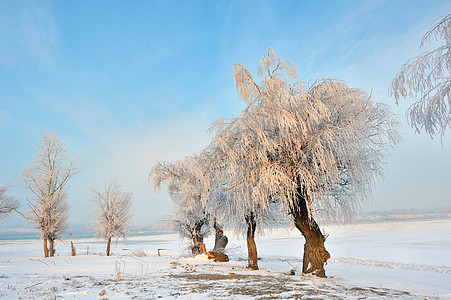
[188,185]
[428,78]
[7,202]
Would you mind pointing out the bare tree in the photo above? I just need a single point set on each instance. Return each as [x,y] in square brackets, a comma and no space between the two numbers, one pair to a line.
[113,211]
[7,203]
[316,151]
[427,76]
[46,179]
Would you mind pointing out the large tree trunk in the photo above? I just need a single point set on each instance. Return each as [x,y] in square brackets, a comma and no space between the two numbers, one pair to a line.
[46,250]
[315,254]
[51,247]
[251,246]
[198,239]
[108,247]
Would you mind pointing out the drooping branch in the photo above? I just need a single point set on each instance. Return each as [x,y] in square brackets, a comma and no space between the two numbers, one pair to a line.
[427,77]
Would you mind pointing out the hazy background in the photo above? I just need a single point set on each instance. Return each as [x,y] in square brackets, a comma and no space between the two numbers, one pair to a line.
[125,84]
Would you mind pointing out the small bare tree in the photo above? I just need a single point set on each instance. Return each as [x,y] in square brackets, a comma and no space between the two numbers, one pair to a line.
[113,212]
[428,76]
[7,203]
[46,179]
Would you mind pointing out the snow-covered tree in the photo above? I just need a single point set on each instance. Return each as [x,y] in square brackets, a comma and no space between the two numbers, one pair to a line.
[198,187]
[428,78]
[112,208]
[191,223]
[7,202]
[315,150]
[192,219]
[46,179]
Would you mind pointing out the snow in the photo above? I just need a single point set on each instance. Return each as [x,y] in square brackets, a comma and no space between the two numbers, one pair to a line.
[406,260]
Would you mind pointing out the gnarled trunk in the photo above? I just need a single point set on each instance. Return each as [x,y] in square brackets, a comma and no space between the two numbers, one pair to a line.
[251,246]
[108,247]
[51,247]
[46,250]
[198,239]
[315,254]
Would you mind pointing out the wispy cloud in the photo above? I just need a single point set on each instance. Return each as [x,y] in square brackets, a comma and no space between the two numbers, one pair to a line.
[28,34]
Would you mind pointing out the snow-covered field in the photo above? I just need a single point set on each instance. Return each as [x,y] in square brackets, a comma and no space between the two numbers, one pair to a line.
[382,260]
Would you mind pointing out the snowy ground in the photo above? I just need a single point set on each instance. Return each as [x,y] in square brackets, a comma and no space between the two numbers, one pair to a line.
[407,260]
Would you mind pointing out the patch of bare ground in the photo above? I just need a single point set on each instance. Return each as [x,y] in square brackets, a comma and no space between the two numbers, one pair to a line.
[202,285]
[275,287]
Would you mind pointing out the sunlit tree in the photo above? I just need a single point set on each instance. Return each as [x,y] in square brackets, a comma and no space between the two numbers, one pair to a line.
[315,150]
[112,208]
[46,179]
[427,77]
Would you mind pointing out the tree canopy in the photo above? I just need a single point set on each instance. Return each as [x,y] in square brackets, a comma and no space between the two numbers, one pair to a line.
[328,138]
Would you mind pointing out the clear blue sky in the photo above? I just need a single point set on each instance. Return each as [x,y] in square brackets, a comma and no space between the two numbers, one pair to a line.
[127,83]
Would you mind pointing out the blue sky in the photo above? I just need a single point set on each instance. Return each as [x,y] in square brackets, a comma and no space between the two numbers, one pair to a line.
[125,84]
